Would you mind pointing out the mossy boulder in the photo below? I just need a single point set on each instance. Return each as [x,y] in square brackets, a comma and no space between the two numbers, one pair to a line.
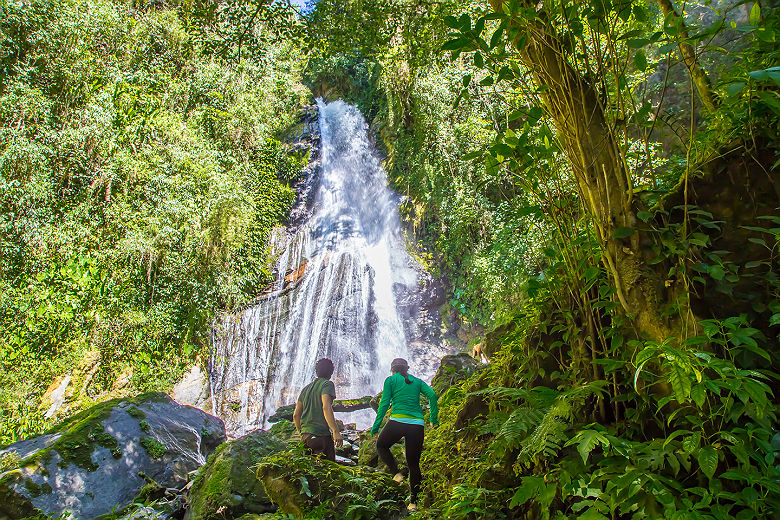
[368,455]
[299,484]
[227,485]
[453,369]
[285,431]
[92,463]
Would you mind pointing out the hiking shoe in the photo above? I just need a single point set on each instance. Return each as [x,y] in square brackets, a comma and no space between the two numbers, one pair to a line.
[399,477]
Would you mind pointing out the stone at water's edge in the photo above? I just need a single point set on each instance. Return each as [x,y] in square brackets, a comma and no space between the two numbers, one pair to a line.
[227,486]
[89,465]
[285,413]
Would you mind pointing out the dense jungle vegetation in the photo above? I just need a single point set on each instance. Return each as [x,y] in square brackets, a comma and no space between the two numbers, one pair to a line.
[596,181]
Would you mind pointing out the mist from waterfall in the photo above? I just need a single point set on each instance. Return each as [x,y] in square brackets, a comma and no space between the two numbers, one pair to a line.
[346,267]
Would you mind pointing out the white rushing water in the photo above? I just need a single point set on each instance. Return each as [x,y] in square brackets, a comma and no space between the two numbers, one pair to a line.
[345,268]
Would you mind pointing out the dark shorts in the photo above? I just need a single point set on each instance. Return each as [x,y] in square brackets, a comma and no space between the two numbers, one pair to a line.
[320,445]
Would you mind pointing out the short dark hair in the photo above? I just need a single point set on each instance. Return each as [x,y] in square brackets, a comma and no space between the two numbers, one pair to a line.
[324,368]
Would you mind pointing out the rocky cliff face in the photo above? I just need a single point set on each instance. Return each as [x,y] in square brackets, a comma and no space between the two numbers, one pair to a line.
[345,287]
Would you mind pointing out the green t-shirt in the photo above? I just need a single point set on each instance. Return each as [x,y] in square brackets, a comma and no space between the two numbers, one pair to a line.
[313,419]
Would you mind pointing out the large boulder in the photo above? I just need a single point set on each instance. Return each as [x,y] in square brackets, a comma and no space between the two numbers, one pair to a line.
[227,486]
[299,484]
[99,460]
[453,369]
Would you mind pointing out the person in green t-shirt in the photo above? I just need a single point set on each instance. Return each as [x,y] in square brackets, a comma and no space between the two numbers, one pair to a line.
[313,416]
[407,421]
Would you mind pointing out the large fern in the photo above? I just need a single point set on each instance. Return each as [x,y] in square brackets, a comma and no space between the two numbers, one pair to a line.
[539,425]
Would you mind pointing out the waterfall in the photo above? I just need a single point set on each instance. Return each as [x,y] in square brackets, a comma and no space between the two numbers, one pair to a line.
[343,290]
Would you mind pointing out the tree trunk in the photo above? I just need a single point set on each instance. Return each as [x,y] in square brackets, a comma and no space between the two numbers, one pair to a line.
[600,173]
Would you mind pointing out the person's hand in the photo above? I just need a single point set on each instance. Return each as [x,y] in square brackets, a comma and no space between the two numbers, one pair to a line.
[338,440]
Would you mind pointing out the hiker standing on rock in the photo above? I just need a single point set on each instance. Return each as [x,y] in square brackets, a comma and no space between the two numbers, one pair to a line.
[402,391]
[313,416]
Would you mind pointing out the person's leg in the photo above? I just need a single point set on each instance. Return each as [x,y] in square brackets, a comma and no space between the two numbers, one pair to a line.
[309,443]
[329,448]
[414,444]
[320,446]
[389,435]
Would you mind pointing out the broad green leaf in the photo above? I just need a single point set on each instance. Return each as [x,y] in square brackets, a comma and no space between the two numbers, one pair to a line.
[496,38]
[637,43]
[755,14]
[526,492]
[588,441]
[681,382]
[456,44]
[691,442]
[699,395]
[708,460]
[305,486]
[640,61]
[716,272]
[623,232]
[452,22]
[644,216]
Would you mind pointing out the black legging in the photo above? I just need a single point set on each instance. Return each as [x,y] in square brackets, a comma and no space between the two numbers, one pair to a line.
[391,434]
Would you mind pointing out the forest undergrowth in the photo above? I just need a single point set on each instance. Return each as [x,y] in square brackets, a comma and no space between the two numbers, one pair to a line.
[140,178]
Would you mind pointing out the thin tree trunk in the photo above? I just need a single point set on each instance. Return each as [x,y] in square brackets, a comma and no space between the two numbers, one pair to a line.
[698,75]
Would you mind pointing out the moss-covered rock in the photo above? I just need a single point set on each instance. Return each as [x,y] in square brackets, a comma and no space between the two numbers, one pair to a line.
[227,486]
[89,465]
[453,368]
[299,484]
[368,456]
[285,431]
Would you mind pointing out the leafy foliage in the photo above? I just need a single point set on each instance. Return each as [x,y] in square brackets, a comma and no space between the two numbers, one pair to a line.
[139,182]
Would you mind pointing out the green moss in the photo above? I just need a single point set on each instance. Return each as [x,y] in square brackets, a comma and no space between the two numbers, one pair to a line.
[33,488]
[301,484]
[77,448]
[137,413]
[13,504]
[80,433]
[285,431]
[227,481]
[155,448]
[144,426]
[36,489]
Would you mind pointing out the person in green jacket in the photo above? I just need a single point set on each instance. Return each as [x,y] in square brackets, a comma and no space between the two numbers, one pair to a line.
[407,421]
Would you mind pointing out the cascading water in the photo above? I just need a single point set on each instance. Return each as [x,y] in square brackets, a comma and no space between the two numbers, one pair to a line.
[343,278]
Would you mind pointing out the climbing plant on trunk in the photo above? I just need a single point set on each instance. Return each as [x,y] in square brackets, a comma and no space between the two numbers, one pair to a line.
[575,60]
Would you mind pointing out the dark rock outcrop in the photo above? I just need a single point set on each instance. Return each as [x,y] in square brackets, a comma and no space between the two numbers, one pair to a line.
[99,460]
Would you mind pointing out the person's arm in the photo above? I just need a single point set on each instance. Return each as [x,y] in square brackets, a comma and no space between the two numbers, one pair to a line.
[433,401]
[297,414]
[384,404]
[327,410]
